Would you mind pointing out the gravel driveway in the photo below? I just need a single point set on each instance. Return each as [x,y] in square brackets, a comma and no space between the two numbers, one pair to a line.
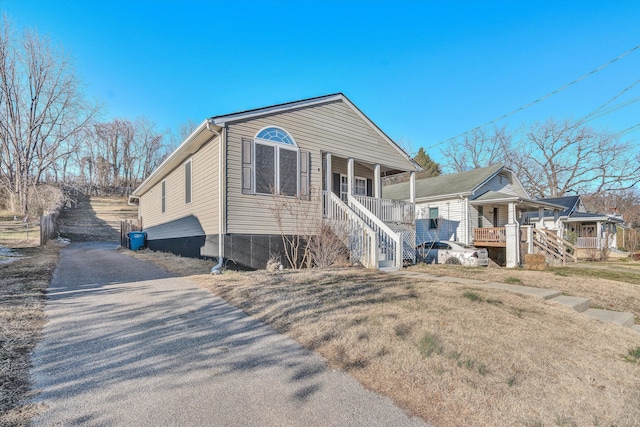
[128,344]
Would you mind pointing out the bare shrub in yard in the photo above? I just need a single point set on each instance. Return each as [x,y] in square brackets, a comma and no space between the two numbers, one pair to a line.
[327,247]
[296,220]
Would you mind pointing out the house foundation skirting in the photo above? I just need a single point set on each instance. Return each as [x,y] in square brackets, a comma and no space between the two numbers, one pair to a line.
[241,251]
[183,246]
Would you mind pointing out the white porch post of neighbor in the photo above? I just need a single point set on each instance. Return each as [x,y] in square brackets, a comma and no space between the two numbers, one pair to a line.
[599,235]
[412,187]
[377,187]
[540,218]
[512,235]
[350,178]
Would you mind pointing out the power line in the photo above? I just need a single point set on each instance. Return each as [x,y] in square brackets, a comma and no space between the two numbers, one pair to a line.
[618,95]
[590,73]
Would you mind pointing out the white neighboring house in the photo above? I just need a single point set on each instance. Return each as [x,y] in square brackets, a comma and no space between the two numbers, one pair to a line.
[483,207]
[585,230]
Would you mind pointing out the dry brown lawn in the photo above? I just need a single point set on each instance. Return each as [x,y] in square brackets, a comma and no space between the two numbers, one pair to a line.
[22,293]
[456,355]
[612,285]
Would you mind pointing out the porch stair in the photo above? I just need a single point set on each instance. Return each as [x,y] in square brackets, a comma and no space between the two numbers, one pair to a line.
[369,240]
[553,247]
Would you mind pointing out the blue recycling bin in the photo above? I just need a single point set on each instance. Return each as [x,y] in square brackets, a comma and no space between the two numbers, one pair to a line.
[136,240]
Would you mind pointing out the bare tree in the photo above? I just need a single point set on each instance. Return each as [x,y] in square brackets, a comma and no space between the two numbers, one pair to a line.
[553,158]
[150,149]
[623,202]
[477,149]
[41,110]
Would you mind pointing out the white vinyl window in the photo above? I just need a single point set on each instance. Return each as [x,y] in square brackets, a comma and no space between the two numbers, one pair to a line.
[433,218]
[276,162]
[164,197]
[187,182]
[359,186]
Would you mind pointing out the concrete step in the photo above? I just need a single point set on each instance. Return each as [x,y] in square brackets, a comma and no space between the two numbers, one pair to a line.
[636,328]
[579,304]
[389,269]
[619,317]
[525,290]
[385,263]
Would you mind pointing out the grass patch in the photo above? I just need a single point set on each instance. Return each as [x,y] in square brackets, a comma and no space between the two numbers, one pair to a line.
[22,295]
[512,280]
[597,273]
[472,296]
[633,355]
[429,344]
[402,330]
[475,297]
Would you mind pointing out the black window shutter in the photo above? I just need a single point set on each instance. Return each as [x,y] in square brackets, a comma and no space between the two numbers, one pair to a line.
[369,187]
[305,175]
[336,184]
[247,166]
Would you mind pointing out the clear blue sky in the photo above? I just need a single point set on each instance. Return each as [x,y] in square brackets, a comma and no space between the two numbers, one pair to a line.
[424,71]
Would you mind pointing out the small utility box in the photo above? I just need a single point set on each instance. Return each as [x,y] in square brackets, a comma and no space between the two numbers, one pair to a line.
[136,240]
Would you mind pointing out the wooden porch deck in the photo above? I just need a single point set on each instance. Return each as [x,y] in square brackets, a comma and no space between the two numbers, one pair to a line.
[494,237]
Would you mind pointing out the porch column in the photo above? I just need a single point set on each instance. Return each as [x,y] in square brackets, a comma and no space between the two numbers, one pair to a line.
[328,176]
[556,219]
[541,218]
[512,237]
[350,178]
[412,187]
[598,235]
[377,187]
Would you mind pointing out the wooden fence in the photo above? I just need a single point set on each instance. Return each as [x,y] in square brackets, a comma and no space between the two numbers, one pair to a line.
[48,224]
[127,226]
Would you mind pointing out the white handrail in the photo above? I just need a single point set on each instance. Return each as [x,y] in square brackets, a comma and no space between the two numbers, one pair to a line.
[385,234]
[361,239]
[388,210]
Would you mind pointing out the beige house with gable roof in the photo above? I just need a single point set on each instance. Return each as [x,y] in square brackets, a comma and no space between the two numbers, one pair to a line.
[213,196]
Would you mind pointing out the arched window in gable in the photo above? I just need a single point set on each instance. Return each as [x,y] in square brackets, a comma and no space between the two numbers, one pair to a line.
[272,163]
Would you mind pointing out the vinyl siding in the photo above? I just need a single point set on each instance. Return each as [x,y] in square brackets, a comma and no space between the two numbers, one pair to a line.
[204,197]
[450,226]
[333,128]
[500,183]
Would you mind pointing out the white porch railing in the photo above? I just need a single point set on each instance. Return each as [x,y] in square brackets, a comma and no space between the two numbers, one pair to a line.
[360,239]
[592,242]
[387,210]
[369,239]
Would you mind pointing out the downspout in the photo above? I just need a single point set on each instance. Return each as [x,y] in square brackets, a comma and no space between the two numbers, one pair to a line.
[518,246]
[216,268]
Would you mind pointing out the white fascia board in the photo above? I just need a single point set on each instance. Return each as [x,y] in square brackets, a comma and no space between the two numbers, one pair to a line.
[188,147]
[444,197]
[229,118]
[502,200]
